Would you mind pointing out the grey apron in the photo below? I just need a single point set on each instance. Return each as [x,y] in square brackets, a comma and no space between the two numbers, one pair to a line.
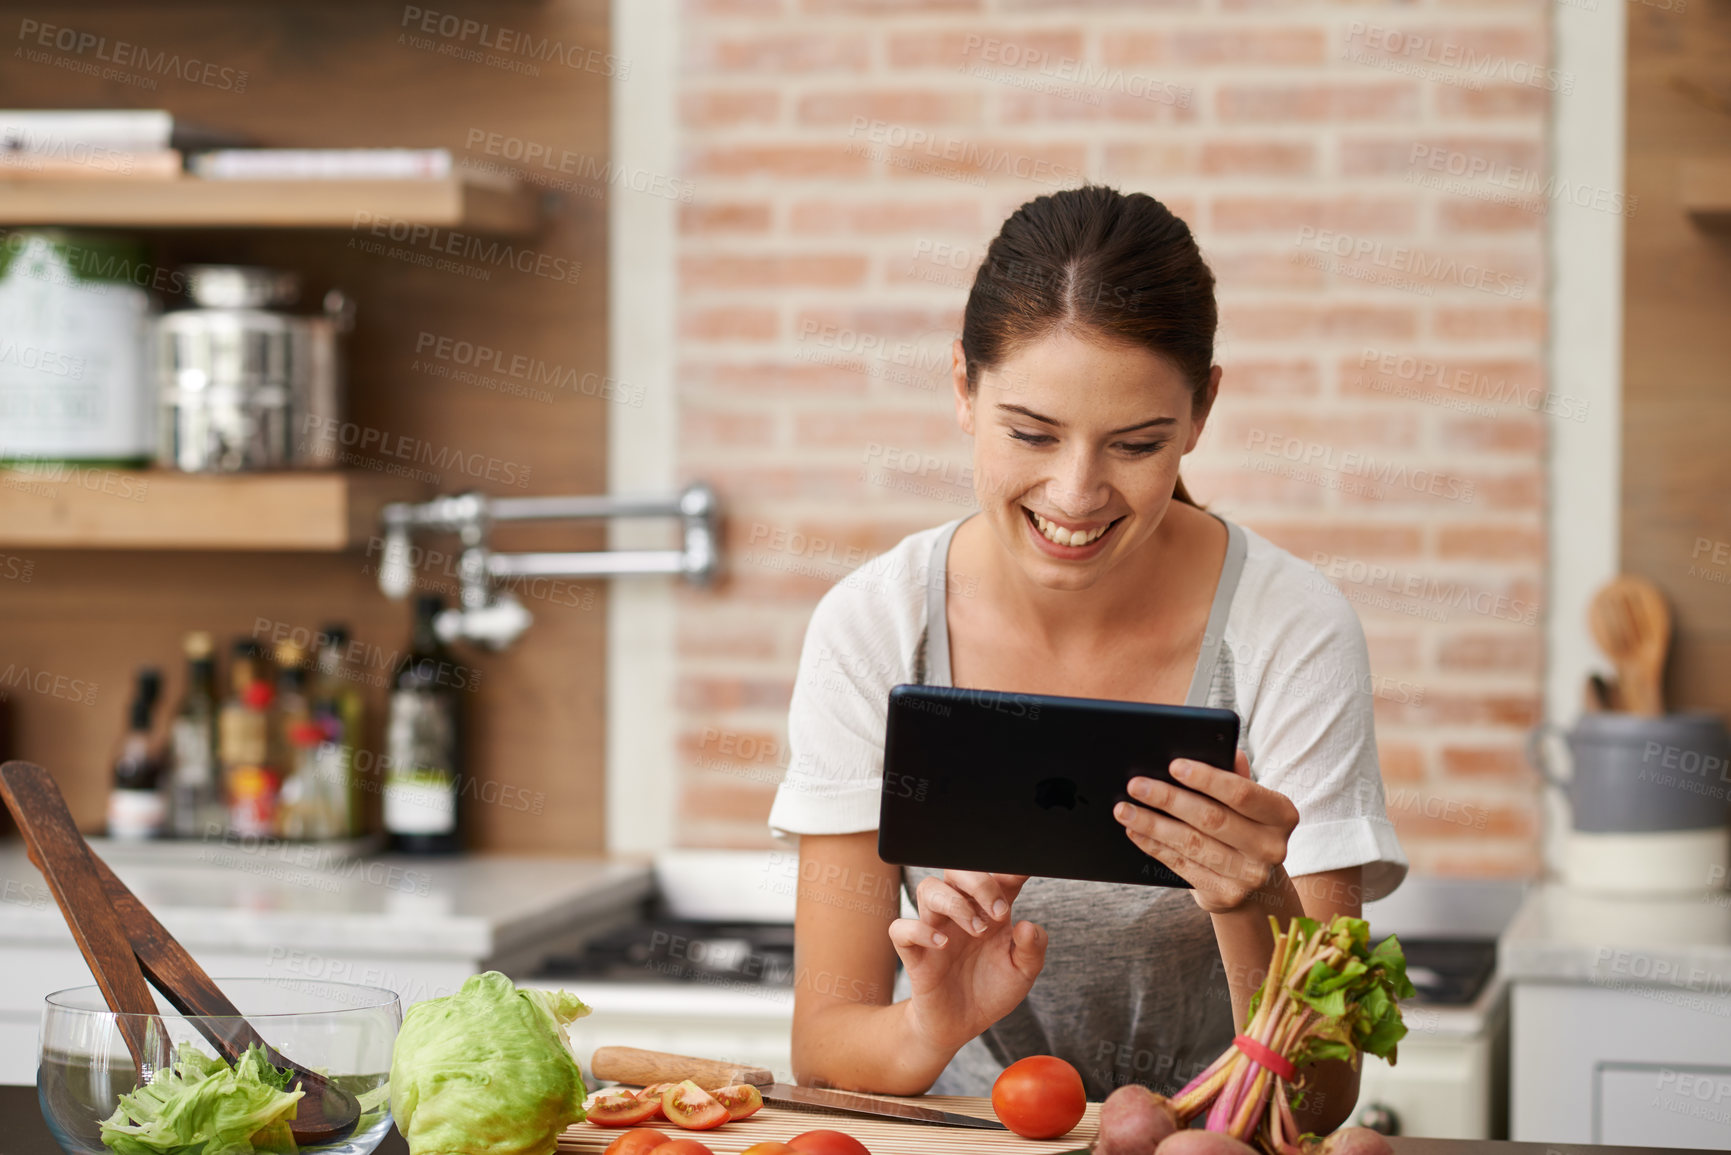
[1133,990]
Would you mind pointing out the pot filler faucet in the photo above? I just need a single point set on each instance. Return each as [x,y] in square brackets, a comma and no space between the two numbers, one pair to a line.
[494,618]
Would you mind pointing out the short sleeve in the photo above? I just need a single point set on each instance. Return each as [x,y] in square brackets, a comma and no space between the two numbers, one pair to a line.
[1311,730]
[860,642]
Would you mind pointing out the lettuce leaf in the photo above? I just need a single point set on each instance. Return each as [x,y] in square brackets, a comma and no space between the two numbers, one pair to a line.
[199,1105]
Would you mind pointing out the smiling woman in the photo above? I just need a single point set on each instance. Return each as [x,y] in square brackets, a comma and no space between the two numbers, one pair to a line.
[1084,374]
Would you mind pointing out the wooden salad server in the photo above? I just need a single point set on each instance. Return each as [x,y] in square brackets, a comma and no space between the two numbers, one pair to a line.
[124,944]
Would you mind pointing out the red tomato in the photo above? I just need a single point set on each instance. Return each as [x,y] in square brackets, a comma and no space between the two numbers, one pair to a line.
[618,1108]
[1040,1097]
[636,1142]
[682,1147]
[741,1099]
[768,1149]
[652,1094]
[827,1143]
[690,1106]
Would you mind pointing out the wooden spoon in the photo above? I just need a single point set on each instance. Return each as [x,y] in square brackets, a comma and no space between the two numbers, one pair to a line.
[1632,624]
[124,944]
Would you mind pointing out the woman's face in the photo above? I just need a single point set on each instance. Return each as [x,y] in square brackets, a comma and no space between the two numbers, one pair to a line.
[1076,451]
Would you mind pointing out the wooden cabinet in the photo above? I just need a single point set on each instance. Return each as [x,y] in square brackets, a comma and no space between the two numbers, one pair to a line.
[469,267]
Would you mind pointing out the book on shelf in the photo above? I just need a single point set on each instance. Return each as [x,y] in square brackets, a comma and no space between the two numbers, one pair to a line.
[323,164]
[52,131]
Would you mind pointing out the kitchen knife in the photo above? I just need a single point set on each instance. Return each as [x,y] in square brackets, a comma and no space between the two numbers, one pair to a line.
[641,1068]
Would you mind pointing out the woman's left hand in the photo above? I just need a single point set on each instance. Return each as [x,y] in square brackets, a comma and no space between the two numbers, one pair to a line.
[1221,832]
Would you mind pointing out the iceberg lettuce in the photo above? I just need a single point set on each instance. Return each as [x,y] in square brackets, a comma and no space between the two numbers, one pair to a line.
[487,1071]
[199,1105]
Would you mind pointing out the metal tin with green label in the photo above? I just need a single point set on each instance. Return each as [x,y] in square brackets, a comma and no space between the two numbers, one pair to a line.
[74,309]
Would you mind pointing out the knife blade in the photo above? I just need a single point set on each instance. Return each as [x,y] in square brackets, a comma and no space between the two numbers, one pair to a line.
[641,1068]
[848,1103]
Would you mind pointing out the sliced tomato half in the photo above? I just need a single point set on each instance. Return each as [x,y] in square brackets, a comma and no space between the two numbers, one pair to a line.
[652,1094]
[618,1108]
[690,1106]
[741,1099]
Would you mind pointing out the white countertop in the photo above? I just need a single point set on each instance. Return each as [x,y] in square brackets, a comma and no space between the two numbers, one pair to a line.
[229,895]
[1564,935]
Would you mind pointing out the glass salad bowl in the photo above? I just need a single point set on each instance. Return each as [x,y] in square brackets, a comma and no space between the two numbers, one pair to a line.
[340,1030]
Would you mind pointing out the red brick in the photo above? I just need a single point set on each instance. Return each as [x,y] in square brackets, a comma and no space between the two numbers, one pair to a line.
[1263,267]
[786,271]
[886,323]
[1289,214]
[1258,158]
[1154,159]
[1294,378]
[1255,431]
[1463,51]
[729,323]
[1316,103]
[723,108]
[773,53]
[992,47]
[1495,383]
[1439,157]
[773,377]
[1494,102]
[859,430]
[810,482]
[723,693]
[1517,431]
[889,7]
[1489,323]
[1484,860]
[742,747]
[1491,543]
[1468,215]
[1401,761]
[731,632]
[724,801]
[1041,167]
[1461,708]
[1238,485]
[1420,811]
[1506,651]
[825,109]
[818,217]
[1393,653]
[1506,763]
[1319,543]
[706,428]
[695,9]
[1296,45]
[1163,103]
[779,160]
[1286,322]
[725,217]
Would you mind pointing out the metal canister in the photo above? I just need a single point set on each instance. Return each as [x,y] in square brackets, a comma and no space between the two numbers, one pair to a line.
[244,384]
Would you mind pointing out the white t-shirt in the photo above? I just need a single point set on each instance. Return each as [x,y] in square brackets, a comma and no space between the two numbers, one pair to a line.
[1292,662]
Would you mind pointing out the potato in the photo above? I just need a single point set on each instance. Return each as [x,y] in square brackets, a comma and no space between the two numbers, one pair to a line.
[1133,1121]
[1204,1143]
[1354,1141]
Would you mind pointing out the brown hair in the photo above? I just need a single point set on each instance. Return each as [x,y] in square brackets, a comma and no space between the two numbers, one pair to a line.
[1095,259]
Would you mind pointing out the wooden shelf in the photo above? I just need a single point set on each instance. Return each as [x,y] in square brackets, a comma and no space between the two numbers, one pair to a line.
[1707,190]
[192,203]
[61,507]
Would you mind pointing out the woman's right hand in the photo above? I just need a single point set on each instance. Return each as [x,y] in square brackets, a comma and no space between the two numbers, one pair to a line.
[968,965]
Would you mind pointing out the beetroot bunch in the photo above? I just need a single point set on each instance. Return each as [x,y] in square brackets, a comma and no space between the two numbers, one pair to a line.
[1327,995]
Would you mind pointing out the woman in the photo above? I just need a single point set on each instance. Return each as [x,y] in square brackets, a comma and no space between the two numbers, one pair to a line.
[1083,374]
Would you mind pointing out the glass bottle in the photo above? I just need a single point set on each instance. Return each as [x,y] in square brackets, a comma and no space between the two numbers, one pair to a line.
[194,792]
[423,787]
[136,807]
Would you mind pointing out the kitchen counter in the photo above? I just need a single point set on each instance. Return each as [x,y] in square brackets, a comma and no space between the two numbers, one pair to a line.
[1620,1012]
[418,926]
[27,1134]
[1565,935]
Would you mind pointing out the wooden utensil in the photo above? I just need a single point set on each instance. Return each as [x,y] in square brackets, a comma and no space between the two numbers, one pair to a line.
[1632,624]
[641,1068]
[124,944]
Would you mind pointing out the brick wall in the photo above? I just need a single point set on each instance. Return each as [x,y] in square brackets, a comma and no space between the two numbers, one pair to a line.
[1365,180]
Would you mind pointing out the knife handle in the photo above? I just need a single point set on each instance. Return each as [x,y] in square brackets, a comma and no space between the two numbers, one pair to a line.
[641,1068]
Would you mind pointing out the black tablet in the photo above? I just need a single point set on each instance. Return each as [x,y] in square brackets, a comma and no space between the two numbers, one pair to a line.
[1025,783]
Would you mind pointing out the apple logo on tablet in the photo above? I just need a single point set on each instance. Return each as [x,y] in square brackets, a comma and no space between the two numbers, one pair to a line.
[1051,793]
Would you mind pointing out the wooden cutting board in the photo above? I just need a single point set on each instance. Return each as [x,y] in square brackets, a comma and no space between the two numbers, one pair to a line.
[881,1136]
